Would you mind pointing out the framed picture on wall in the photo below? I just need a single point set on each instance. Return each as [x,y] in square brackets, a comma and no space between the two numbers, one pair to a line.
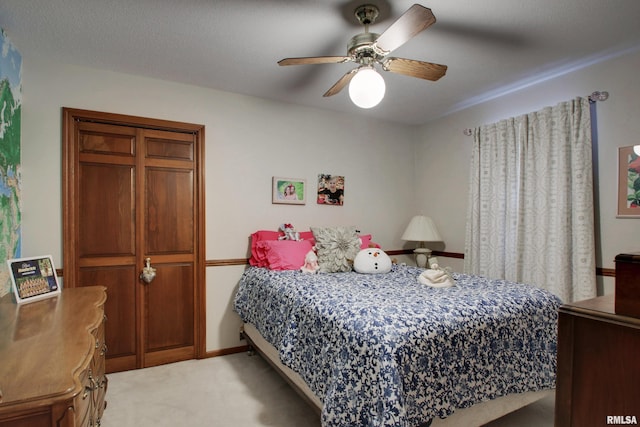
[629,182]
[33,279]
[330,190]
[288,191]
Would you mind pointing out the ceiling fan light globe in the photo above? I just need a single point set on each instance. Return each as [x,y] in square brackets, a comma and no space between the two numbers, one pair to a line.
[367,88]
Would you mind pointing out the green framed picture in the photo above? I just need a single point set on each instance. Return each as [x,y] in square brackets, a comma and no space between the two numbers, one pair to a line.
[289,191]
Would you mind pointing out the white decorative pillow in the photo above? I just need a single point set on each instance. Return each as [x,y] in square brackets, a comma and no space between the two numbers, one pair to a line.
[337,247]
[372,261]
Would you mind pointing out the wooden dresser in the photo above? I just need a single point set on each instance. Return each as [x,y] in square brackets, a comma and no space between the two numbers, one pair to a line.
[598,365]
[52,360]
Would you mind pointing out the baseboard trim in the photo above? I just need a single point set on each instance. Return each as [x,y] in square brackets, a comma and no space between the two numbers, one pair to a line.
[225,351]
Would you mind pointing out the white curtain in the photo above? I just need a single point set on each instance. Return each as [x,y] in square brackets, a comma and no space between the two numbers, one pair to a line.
[530,216]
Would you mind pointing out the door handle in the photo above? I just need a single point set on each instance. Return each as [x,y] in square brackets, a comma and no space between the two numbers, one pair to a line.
[148,272]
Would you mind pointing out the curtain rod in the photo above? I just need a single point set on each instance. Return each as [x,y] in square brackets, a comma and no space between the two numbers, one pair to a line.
[599,96]
[594,97]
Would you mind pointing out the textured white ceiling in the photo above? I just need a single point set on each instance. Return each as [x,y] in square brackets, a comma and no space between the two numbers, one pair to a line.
[232,45]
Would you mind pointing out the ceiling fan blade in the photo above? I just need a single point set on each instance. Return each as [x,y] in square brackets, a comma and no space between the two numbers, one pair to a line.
[340,84]
[413,68]
[416,19]
[315,60]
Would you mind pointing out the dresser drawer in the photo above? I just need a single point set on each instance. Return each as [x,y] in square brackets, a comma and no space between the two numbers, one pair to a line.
[98,370]
[598,371]
[52,360]
[82,402]
[42,419]
[628,285]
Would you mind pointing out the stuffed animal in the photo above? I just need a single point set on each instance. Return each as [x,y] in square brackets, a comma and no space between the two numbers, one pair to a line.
[372,260]
[289,232]
[310,262]
[436,277]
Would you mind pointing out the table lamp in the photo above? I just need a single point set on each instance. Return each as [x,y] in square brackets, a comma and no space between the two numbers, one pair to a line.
[421,229]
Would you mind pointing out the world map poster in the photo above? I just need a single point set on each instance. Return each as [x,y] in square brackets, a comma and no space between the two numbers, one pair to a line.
[10,115]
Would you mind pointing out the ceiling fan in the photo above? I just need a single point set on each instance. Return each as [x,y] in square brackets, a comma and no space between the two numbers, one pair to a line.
[367,49]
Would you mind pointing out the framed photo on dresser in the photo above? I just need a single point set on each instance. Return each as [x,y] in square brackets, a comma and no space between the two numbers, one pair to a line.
[33,279]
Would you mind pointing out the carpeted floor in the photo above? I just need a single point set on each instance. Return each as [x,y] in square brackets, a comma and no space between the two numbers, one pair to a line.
[234,390]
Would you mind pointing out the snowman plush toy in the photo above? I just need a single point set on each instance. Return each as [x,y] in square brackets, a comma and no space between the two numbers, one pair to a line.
[372,261]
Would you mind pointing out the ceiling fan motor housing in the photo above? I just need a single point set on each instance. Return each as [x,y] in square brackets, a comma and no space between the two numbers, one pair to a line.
[360,48]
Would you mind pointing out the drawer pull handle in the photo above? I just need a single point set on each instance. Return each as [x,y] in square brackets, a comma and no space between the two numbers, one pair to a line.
[93,383]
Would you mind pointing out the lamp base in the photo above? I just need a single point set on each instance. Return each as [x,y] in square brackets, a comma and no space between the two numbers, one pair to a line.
[422,255]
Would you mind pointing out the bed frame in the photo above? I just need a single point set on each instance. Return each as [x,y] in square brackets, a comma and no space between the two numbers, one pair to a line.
[476,415]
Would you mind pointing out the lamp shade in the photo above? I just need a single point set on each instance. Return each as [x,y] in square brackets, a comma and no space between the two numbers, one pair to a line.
[636,149]
[421,229]
[367,88]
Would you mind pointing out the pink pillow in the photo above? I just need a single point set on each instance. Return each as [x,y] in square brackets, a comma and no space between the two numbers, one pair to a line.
[284,254]
[257,258]
[307,235]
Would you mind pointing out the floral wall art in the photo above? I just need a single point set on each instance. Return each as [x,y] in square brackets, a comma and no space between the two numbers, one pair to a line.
[629,181]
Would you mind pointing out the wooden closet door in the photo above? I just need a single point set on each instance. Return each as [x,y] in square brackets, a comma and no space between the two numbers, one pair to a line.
[168,241]
[132,194]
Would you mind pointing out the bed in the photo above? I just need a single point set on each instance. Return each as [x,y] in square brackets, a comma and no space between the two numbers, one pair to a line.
[386,350]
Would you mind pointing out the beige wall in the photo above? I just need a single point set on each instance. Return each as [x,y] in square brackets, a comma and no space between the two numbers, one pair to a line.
[248,140]
[392,171]
[442,157]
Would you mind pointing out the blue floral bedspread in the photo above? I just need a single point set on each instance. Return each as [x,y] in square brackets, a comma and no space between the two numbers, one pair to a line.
[385,350]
